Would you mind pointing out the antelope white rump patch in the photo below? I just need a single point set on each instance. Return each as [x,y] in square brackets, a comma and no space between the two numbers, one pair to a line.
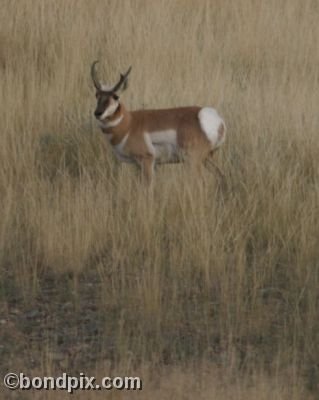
[212,125]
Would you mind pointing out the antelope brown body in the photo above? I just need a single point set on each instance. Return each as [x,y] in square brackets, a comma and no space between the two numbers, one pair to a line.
[149,137]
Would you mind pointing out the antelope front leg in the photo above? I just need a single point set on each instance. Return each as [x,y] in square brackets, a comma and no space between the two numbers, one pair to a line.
[147,167]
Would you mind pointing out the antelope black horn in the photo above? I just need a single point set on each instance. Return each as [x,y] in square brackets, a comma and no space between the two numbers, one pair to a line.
[122,80]
[94,77]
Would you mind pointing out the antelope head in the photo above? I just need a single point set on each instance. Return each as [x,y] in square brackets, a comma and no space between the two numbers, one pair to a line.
[107,98]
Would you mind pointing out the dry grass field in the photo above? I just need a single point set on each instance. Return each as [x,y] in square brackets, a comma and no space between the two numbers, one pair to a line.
[203,291]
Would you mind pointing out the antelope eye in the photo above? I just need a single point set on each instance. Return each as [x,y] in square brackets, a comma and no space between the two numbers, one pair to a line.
[115,97]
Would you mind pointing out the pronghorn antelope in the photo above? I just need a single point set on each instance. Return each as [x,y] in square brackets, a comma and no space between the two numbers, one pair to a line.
[149,137]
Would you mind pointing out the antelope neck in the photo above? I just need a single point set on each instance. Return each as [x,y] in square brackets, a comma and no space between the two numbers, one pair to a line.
[118,131]
[115,115]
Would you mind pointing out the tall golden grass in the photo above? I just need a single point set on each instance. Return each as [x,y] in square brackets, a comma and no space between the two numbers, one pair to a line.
[205,292]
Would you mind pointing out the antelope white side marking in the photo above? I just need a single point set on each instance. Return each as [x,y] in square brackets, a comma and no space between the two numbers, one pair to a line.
[149,143]
[163,144]
[210,122]
[109,111]
[119,151]
[165,136]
